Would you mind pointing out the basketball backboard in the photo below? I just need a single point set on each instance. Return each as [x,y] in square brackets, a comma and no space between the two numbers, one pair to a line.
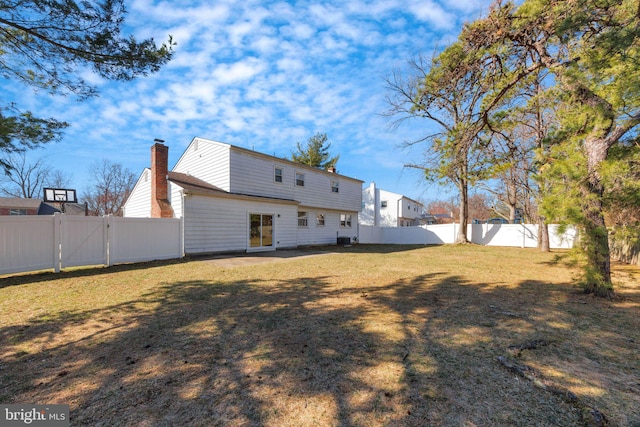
[60,195]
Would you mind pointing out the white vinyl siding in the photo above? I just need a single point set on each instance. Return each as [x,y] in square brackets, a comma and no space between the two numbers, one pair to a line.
[138,205]
[214,224]
[175,197]
[327,234]
[208,161]
[253,173]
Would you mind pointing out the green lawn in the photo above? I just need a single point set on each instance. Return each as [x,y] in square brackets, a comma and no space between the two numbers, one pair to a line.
[365,336]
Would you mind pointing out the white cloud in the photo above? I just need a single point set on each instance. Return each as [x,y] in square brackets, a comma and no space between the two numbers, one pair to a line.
[239,71]
[432,13]
[265,44]
[298,31]
[290,64]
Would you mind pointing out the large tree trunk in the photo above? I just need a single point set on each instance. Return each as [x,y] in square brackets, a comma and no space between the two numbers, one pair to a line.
[512,201]
[596,238]
[543,235]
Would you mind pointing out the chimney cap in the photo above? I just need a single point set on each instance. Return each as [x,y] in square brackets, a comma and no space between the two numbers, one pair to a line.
[158,140]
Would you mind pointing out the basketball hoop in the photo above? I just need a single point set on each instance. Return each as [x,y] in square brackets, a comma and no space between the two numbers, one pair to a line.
[60,195]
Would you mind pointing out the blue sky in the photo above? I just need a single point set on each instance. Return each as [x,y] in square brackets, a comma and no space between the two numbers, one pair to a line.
[261,75]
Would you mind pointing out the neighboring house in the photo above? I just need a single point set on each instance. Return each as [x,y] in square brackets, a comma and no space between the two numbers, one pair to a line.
[443,218]
[234,199]
[383,208]
[20,206]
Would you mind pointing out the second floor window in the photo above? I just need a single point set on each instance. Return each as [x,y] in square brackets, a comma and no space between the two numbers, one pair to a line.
[299,179]
[277,175]
[383,204]
[335,187]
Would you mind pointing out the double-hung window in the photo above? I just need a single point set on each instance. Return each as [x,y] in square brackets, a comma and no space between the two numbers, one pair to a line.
[299,179]
[335,187]
[345,220]
[320,220]
[302,219]
[277,174]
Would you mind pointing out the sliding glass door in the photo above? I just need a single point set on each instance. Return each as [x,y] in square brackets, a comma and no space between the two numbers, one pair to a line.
[260,231]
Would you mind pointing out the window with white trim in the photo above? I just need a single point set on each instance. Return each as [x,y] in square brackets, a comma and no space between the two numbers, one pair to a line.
[320,220]
[383,204]
[345,220]
[299,179]
[277,174]
[335,187]
[303,219]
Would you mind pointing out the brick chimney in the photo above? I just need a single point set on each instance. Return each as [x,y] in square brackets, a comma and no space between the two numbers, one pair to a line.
[160,206]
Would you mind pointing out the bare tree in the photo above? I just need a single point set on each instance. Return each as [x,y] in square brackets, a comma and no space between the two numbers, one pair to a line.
[448,90]
[58,179]
[111,185]
[27,179]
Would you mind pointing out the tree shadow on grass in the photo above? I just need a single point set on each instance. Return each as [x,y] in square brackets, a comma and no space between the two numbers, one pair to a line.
[417,351]
[17,279]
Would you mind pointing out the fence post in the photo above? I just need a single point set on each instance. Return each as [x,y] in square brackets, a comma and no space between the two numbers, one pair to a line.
[108,238]
[57,242]
[182,236]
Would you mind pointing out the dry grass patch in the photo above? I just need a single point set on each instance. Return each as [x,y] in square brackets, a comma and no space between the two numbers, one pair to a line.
[371,336]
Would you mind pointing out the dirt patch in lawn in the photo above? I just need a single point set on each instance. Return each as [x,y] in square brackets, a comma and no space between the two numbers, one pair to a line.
[252,258]
[368,335]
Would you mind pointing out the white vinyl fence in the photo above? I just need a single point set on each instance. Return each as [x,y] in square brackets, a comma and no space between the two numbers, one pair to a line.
[517,235]
[34,242]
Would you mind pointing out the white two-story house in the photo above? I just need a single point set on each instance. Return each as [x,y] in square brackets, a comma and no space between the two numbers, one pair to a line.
[383,208]
[234,199]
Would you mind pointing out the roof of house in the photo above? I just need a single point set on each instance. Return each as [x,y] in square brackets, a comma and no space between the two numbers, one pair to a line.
[197,186]
[19,202]
[67,207]
[189,182]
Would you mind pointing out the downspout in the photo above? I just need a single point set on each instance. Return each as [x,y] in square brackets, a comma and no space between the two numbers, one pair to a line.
[182,197]
[376,204]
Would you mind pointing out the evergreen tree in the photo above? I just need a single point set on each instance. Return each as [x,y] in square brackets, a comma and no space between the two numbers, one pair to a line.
[315,153]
